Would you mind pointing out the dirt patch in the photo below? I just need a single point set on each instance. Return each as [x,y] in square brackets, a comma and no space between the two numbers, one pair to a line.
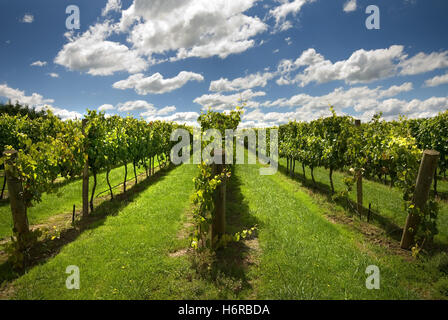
[251,258]
[58,221]
[179,253]
[188,224]
[7,292]
[372,233]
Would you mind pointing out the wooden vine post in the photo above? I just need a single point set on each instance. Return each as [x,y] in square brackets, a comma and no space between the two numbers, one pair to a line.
[428,165]
[219,217]
[3,187]
[359,180]
[15,189]
[85,176]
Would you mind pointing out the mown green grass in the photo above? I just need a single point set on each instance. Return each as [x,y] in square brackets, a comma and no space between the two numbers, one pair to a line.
[63,199]
[304,256]
[127,256]
[140,253]
[385,200]
[299,253]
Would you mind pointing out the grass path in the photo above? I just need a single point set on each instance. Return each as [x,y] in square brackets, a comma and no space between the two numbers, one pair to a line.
[63,200]
[128,255]
[304,256]
[298,254]
[387,202]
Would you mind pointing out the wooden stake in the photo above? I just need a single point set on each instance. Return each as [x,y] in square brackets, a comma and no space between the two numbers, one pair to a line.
[3,187]
[359,181]
[368,214]
[15,190]
[421,194]
[219,217]
[85,176]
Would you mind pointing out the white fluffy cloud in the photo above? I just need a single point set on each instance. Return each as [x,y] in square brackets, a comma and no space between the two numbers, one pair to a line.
[166,110]
[361,98]
[27,18]
[157,113]
[17,95]
[437,80]
[365,101]
[415,108]
[136,105]
[183,116]
[191,28]
[350,6]
[36,101]
[145,109]
[106,107]
[423,62]
[188,118]
[393,90]
[64,114]
[281,12]
[391,109]
[53,75]
[92,53]
[248,82]
[226,102]
[39,63]
[256,118]
[361,67]
[156,83]
[112,5]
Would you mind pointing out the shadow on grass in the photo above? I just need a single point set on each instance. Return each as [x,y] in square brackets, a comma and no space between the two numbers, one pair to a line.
[4,202]
[227,269]
[60,183]
[392,229]
[47,248]
[441,195]
[56,185]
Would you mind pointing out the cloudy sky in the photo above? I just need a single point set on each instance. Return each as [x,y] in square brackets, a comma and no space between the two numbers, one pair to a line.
[170,59]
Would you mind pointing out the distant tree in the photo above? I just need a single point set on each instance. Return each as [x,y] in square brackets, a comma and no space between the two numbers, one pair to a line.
[18,109]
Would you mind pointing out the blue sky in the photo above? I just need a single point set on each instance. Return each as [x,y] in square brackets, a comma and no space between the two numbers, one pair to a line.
[169,59]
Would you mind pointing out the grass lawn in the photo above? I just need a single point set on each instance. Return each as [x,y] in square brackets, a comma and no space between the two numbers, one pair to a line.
[304,256]
[140,252]
[63,200]
[387,202]
[127,255]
